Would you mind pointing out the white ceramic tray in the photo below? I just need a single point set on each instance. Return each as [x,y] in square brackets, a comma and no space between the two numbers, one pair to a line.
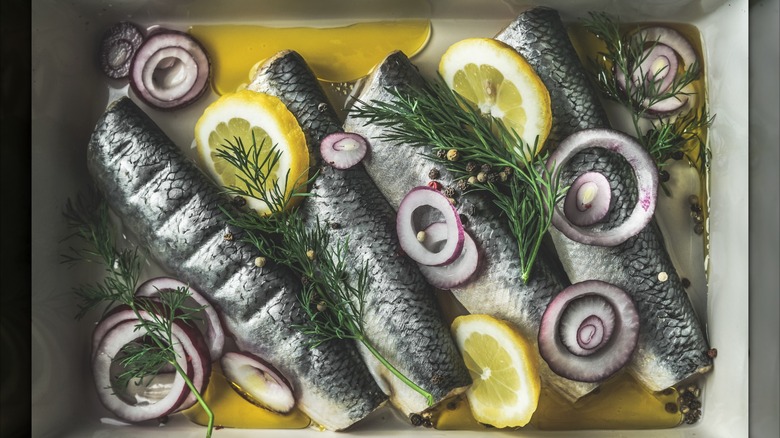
[69,94]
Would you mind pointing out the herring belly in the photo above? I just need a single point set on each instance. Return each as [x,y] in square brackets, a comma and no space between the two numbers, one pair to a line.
[174,209]
[402,319]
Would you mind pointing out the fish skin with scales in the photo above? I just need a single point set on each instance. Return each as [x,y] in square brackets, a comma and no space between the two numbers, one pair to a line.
[672,345]
[173,210]
[402,319]
[496,287]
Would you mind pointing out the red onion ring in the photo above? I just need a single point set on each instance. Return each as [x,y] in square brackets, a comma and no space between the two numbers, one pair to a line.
[214,334]
[589,331]
[587,200]
[170,70]
[343,150]
[667,45]
[258,381]
[669,37]
[189,347]
[407,230]
[118,48]
[455,273]
[646,178]
[109,347]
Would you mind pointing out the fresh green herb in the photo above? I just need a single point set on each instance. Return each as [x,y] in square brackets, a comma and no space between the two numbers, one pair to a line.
[666,137]
[89,220]
[332,298]
[435,115]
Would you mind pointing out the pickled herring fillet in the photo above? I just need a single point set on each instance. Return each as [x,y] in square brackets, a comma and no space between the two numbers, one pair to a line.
[174,211]
[496,287]
[402,319]
[672,345]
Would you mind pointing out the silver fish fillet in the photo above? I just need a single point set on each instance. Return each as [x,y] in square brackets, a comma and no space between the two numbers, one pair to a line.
[496,288]
[174,210]
[402,319]
[672,346]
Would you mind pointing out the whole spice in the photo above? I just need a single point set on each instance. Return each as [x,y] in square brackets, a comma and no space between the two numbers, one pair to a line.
[453,155]
[434,173]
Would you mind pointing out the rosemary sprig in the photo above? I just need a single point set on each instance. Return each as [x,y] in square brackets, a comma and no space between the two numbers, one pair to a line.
[333,300]
[88,218]
[520,184]
[666,137]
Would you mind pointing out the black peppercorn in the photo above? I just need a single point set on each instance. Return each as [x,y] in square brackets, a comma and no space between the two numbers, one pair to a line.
[663,175]
[471,167]
[434,173]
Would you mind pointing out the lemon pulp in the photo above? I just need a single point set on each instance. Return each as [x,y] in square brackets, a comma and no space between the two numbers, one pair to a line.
[500,82]
[265,133]
[506,384]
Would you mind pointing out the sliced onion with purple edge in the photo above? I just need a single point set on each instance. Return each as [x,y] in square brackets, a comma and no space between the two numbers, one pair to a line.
[587,200]
[589,331]
[659,38]
[658,69]
[257,381]
[421,197]
[455,273]
[214,335]
[669,37]
[191,356]
[343,150]
[118,47]
[645,172]
[170,70]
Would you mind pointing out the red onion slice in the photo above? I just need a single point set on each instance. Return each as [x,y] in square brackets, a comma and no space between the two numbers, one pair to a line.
[659,67]
[118,47]
[457,272]
[587,200]
[189,343]
[214,333]
[109,347]
[589,331]
[646,180]
[170,70]
[407,229]
[671,38]
[343,150]
[258,382]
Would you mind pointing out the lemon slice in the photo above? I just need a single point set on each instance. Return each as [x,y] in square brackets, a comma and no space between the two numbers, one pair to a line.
[502,364]
[241,115]
[501,83]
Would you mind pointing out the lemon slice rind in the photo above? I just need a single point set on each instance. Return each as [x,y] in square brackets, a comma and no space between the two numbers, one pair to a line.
[513,386]
[267,113]
[470,56]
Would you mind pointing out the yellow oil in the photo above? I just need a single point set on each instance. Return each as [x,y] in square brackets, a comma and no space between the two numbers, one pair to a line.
[233,411]
[335,54]
[620,403]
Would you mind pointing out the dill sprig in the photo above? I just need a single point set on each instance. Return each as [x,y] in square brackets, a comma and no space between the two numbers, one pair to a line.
[334,300]
[667,137]
[89,220]
[521,186]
